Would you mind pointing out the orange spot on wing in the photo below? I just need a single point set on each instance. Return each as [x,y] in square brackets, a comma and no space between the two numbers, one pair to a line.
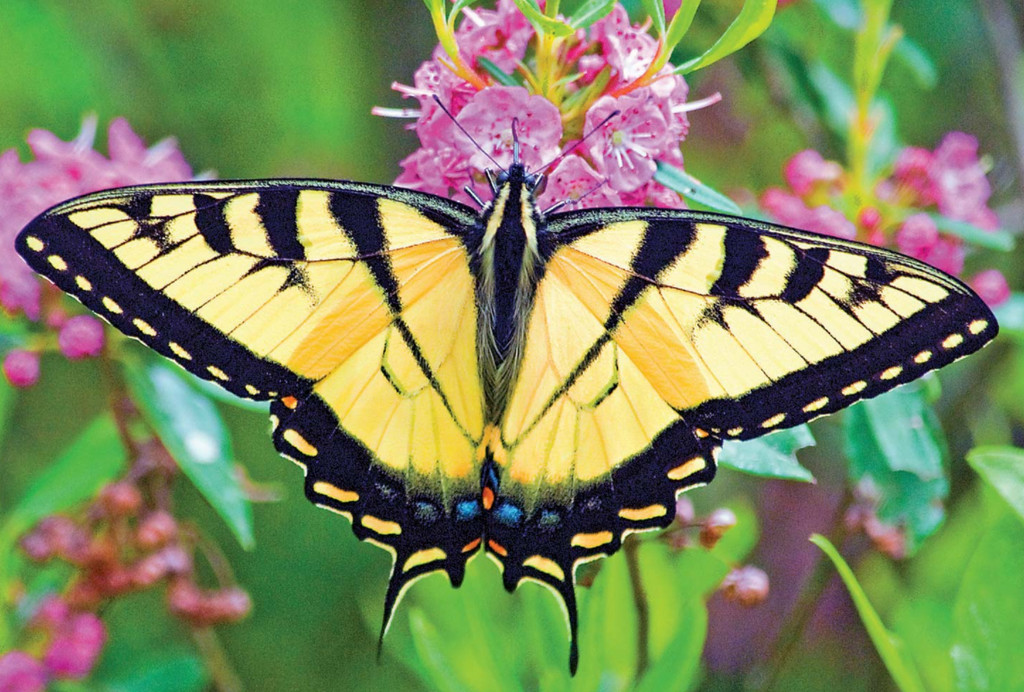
[471,546]
[488,498]
[290,401]
[497,547]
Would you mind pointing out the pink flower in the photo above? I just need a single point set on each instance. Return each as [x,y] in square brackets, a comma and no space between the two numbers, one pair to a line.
[575,180]
[19,672]
[627,48]
[441,172]
[488,120]
[62,170]
[961,188]
[627,147]
[807,171]
[911,174]
[991,286]
[81,337]
[73,652]
[917,236]
[21,367]
[500,35]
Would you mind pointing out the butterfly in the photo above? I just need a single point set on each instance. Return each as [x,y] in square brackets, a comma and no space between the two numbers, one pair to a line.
[533,386]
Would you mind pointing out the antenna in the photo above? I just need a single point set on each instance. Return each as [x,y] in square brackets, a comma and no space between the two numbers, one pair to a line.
[573,147]
[459,125]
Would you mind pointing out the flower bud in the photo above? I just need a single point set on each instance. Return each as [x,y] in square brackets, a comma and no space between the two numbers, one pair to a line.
[715,526]
[81,337]
[148,571]
[121,499]
[19,672]
[747,585]
[51,615]
[991,286]
[685,513]
[73,652]
[155,530]
[21,367]
[184,598]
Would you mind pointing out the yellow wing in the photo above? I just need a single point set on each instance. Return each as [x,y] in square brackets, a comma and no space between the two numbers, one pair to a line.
[350,306]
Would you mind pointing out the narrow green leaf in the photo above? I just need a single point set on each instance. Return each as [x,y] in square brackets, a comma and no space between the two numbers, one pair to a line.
[846,14]
[543,23]
[8,397]
[988,614]
[457,8]
[772,456]
[1003,469]
[680,23]
[677,668]
[990,240]
[191,427]
[835,98]
[889,647]
[692,189]
[502,77]
[430,647]
[590,12]
[912,55]
[93,459]
[656,11]
[754,18]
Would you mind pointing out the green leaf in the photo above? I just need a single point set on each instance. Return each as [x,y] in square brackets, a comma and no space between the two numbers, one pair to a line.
[846,14]
[754,18]
[1003,469]
[191,428]
[680,181]
[8,397]
[218,393]
[969,233]
[893,443]
[590,12]
[94,459]
[771,456]
[656,11]
[915,58]
[988,614]
[14,333]
[888,645]
[545,24]
[431,650]
[500,76]
[835,98]
[677,668]
[183,672]
[680,23]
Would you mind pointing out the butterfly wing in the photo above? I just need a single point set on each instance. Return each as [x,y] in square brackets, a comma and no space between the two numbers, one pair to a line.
[658,334]
[349,306]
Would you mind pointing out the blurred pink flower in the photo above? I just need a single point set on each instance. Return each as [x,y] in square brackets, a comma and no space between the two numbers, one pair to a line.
[73,651]
[19,672]
[59,171]
[807,169]
[991,286]
[81,337]
[21,367]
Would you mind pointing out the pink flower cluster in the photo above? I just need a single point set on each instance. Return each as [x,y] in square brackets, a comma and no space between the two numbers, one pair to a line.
[948,182]
[74,642]
[61,170]
[603,67]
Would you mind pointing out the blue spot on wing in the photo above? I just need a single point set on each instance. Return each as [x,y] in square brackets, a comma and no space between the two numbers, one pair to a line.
[508,514]
[467,509]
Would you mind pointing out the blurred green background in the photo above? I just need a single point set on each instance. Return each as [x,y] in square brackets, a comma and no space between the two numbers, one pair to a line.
[285,89]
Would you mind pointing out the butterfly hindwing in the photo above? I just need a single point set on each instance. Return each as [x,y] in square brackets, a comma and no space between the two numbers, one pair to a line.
[349,306]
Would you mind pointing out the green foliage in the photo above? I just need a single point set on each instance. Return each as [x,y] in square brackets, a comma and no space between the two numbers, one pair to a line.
[191,428]
[694,190]
[772,456]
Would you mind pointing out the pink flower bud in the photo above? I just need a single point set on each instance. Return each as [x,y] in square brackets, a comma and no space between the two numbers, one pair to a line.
[715,526]
[120,499]
[72,654]
[807,170]
[52,614]
[19,672]
[81,337]
[917,236]
[684,511]
[21,367]
[155,529]
[746,585]
[991,286]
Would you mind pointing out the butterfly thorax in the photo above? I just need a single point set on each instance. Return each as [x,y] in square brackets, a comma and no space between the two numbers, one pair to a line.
[509,267]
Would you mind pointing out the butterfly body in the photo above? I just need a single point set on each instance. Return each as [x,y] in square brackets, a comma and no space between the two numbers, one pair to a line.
[534,387]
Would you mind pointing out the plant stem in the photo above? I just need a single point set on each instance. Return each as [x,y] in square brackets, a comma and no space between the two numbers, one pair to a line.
[793,629]
[225,679]
[631,548]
